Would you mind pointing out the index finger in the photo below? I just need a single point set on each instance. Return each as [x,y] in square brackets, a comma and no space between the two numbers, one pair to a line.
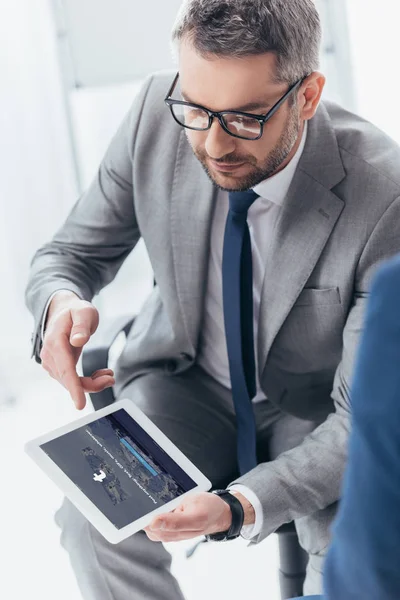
[69,378]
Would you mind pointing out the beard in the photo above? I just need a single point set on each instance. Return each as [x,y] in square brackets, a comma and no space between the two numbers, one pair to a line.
[269,166]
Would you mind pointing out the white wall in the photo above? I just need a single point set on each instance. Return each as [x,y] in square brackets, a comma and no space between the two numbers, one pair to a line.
[374,31]
[116,42]
[37,182]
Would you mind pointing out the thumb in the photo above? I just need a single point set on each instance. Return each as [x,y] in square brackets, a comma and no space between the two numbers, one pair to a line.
[78,338]
[85,320]
[80,332]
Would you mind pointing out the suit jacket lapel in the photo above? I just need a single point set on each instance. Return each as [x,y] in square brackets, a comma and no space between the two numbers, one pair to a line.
[306,221]
[192,202]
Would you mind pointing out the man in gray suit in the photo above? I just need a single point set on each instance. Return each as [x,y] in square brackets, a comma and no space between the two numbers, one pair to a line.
[247,116]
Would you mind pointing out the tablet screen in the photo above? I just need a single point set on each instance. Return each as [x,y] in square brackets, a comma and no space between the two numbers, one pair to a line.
[119,467]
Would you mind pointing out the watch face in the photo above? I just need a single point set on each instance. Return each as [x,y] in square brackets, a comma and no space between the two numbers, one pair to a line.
[218,537]
[221,537]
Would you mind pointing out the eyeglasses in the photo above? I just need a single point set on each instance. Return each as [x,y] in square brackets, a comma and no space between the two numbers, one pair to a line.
[242,125]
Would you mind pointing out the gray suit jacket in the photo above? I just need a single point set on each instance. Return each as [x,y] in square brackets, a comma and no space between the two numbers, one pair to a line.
[340,218]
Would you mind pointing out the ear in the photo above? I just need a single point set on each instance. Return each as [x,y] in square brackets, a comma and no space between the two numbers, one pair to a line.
[310,95]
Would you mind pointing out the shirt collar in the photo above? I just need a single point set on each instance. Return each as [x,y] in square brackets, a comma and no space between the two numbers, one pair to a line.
[276,187]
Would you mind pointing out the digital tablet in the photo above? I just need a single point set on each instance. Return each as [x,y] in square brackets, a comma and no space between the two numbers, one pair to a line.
[117,468]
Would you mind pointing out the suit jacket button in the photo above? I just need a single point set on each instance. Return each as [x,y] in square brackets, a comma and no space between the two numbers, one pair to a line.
[170,366]
[186,356]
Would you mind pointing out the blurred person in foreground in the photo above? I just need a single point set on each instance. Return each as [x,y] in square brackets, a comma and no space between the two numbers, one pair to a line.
[363,561]
[265,211]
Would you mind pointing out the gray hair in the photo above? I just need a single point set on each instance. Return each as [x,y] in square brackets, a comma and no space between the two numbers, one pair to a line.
[291,29]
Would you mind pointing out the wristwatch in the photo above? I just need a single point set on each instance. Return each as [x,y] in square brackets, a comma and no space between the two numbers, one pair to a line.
[237,518]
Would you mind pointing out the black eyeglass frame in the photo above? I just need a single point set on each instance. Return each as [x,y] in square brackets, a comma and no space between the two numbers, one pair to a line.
[262,119]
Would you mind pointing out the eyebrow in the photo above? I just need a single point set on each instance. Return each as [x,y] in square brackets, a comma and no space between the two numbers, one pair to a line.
[244,108]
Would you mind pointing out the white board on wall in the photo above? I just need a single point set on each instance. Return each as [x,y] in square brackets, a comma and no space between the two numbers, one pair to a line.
[115,41]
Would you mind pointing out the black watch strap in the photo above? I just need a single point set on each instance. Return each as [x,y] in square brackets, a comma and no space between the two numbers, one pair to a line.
[237,518]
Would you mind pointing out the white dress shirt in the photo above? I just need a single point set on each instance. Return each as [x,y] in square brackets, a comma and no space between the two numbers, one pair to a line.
[261,219]
[212,355]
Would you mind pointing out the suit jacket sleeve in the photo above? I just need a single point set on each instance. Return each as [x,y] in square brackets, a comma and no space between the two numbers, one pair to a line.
[363,561]
[99,233]
[308,478]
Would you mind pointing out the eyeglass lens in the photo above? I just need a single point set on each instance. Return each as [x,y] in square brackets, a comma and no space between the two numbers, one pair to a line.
[196,118]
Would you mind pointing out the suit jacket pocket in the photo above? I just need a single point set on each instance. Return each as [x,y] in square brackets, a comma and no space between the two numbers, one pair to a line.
[318,297]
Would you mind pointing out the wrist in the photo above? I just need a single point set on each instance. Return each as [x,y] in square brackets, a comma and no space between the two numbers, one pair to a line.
[230,522]
[248,508]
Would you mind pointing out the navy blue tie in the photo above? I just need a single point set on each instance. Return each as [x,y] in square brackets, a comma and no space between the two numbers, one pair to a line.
[237,285]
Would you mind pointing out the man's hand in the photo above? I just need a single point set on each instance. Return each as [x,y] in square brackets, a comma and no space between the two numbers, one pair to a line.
[70,323]
[199,514]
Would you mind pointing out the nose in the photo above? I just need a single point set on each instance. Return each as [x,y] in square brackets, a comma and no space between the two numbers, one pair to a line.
[219,143]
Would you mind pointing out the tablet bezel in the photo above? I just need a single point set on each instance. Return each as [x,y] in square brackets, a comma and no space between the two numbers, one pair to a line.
[81,501]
